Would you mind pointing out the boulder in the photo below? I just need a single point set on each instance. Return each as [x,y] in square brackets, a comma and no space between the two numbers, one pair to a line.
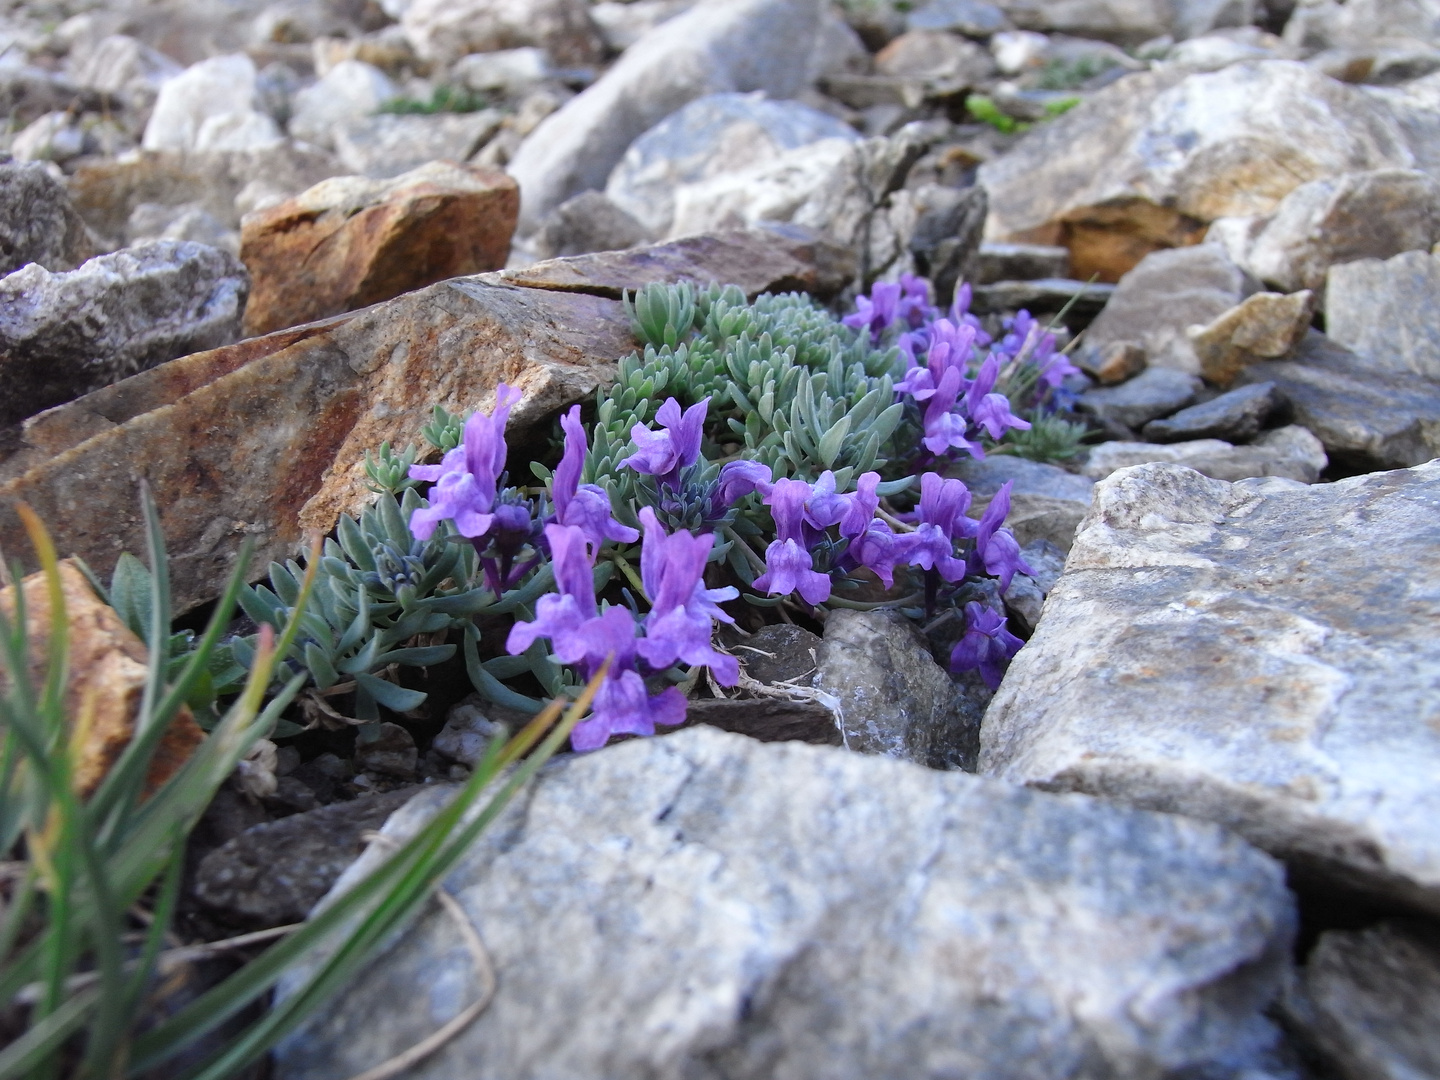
[38,223]
[624,22]
[1263,326]
[1365,1002]
[712,136]
[266,438]
[1154,393]
[443,31]
[387,145]
[588,222]
[64,334]
[1160,298]
[206,99]
[1150,160]
[890,696]
[125,68]
[1385,312]
[716,47]
[1367,418]
[758,910]
[1324,23]
[1288,452]
[1021,262]
[1415,107]
[351,241]
[1236,416]
[107,673]
[1265,661]
[350,91]
[1338,219]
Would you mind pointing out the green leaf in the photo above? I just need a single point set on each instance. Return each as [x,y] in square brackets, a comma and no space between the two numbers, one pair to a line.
[395,698]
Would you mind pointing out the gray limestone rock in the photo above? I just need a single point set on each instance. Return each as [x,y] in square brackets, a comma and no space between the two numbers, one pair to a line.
[1265,661]
[386,145]
[1045,296]
[973,18]
[1166,293]
[709,137]
[37,222]
[589,222]
[893,698]
[62,335]
[468,730]
[1155,392]
[1367,1000]
[1366,417]
[1025,599]
[1290,452]
[718,47]
[275,872]
[779,653]
[701,905]
[388,749]
[1236,416]
[1021,262]
[1386,312]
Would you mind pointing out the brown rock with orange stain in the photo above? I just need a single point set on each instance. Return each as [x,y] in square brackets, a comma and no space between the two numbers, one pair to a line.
[106,676]
[350,241]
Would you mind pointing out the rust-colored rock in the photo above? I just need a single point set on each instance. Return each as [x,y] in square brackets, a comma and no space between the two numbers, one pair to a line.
[351,241]
[107,676]
[266,437]
[1264,326]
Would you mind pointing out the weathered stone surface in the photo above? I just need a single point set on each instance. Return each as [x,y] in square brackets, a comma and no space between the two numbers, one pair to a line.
[1263,326]
[1236,416]
[349,91]
[124,67]
[893,697]
[1416,108]
[587,223]
[445,30]
[1025,599]
[389,751]
[1044,296]
[1290,452]
[108,666]
[273,874]
[1021,262]
[349,242]
[1386,313]
[709,137]
[1148,161]
[266,437]
[1218,652]
[1367,418]
[937,56]
[1127,22]
[1340,219]
[64,334]
[1166,293]
[1367,999]
[386,145]
[212,92]
[1154,393]
[38,224]
[974,18]
[726,45]
[1113,362]
[759,910]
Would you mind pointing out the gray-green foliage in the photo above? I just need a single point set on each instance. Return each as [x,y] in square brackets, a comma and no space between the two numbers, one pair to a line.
[788,384]
[1049,438]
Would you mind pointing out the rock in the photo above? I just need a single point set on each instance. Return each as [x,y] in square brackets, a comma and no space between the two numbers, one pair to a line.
[272,874]
[1365,1001]
[386,145]
[973,18]
[64,334]
[56,137]
[709,137]
[467,732]
[126,68]
[587,223]
[1326,24]
[1385,312]
[1044,296]
[212,90]
[1046,502]
[1289,452]
[349,91]
[151,221]
[795,885]
[624,22]
[249,130]
[1237,416]
[1204,656]
[1415,107]
[389,750]
[107,670]
[1366,418]
[779,653]
[944,239]
[1113,362]
[838,50]
[1128,22]
[1341,219]
[1025,599]
[350,241]
[893,698]
[1162,296]
[506,71]
[442,31]
[1147,162]
[936,55]
[767,719]
[1213,52]
[1154,393]
[719,47]
[27,93]
[38,224]
[266,438]
[1021,262]
[1264,326]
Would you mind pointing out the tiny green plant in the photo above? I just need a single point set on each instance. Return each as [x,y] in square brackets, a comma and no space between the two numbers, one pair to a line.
[443,99]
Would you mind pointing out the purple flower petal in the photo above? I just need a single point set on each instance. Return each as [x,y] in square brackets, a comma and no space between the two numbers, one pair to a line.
[740,478]
[790,568]
[623,705]
[987,644]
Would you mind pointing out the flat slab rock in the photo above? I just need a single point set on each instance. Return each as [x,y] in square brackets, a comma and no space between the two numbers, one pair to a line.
[1266,661]
[703,905]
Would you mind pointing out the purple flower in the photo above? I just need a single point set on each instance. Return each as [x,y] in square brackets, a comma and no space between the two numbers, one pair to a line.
[945,429]
[877,311]
[914,307]
[960,315]
[561,615]
[682,613]
[584,505]
[986,645]
[943,503]
[467,477]
[790,568]
[882,550]
[662,454]
[991,411]
[623,705]
[853,511]
[740,478]
[996,548]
